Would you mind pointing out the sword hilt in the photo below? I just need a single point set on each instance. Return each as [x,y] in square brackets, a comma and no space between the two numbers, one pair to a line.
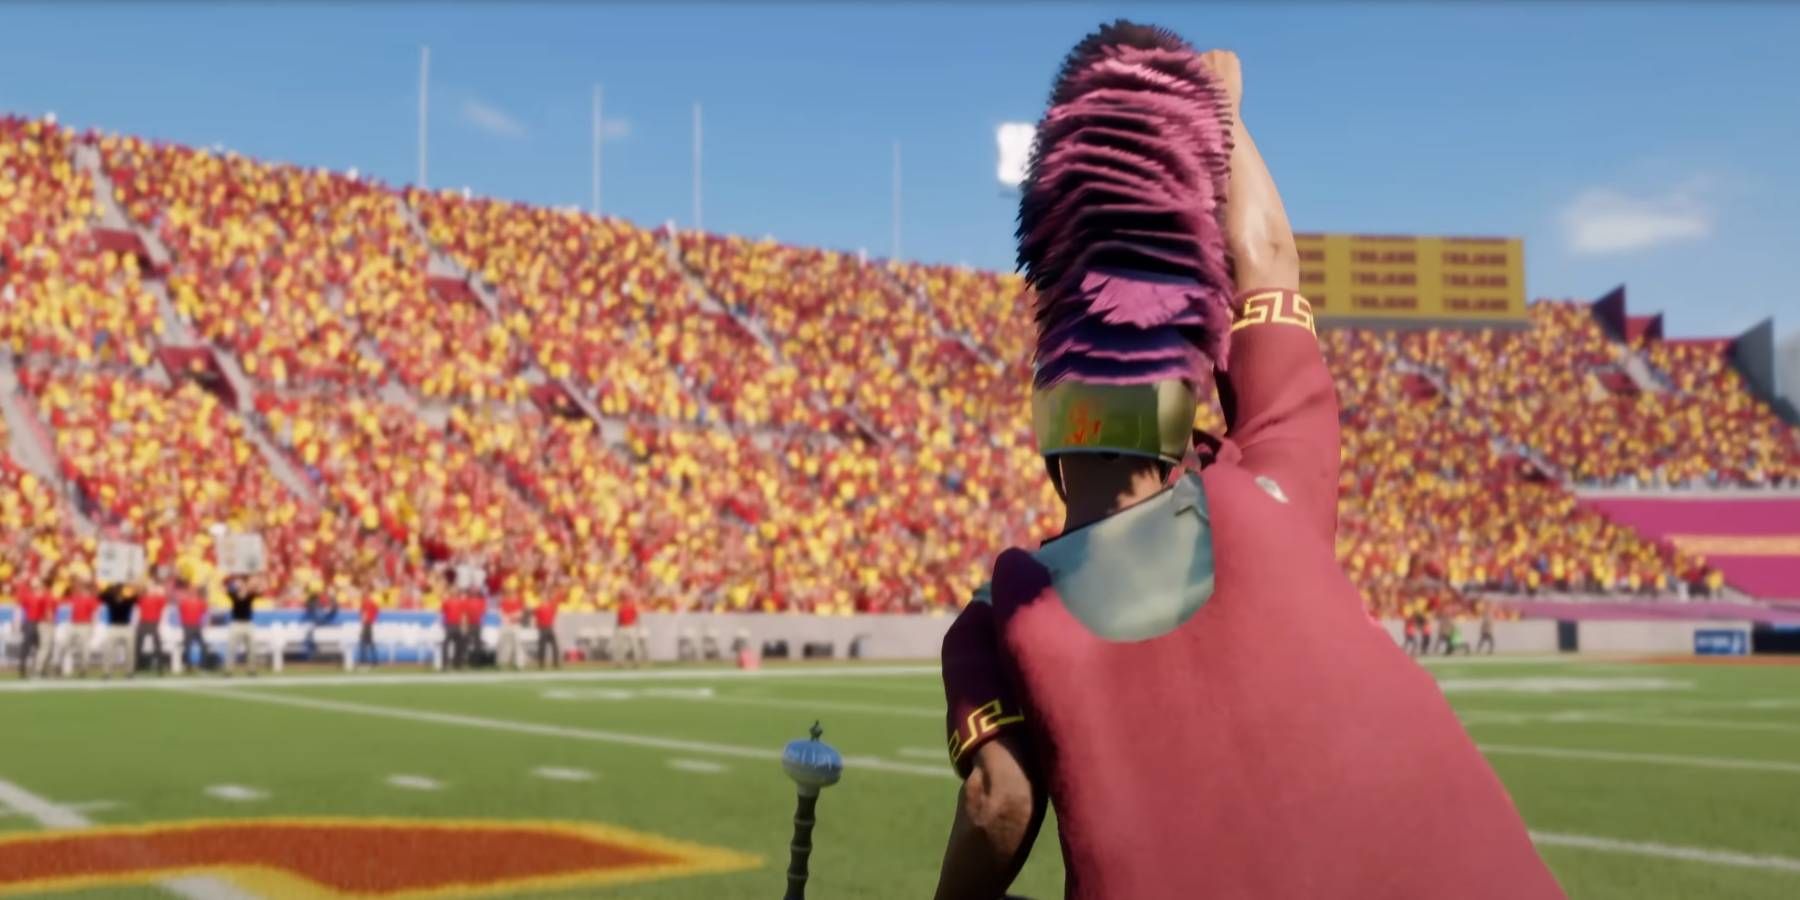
[813,765]
[800,849]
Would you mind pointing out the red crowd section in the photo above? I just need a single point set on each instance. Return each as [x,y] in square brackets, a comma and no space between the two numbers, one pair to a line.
[782,428]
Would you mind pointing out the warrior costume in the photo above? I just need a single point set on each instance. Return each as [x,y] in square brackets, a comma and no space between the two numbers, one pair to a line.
[1129,659]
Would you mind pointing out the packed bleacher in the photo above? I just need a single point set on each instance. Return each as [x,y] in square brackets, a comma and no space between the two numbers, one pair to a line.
[785,428]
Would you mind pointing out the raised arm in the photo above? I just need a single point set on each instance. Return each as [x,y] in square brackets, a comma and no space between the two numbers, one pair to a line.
[1279,403]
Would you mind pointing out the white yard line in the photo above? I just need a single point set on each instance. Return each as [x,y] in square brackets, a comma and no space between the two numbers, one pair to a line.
[453,678]
[1655,759]
[56,815]
[697,765]
[923,752]
[1767,862]
[235,793]
[414,782]
[676,745]
[39,809]
[1600,717]
[558,773]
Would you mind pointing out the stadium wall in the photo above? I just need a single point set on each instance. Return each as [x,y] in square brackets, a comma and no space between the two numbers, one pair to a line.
[1676,638]
[1753,355]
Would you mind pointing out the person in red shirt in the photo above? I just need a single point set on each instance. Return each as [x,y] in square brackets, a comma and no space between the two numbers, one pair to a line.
[1120,673]
[365,643]
[35,610]
[511,650]
[190,609]
[549,652]
[150,611]
[84,605]
[628,636]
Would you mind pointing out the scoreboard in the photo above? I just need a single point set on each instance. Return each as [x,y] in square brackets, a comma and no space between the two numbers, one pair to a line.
[1372,277]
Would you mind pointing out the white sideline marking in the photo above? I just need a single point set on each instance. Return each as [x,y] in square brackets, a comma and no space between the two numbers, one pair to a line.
[595,735]
[235,792]
[923,752]
[1655,759]
[696,765]
[414,782]
[707,695]
[607,693]
[444,678]
[1668,851]
[20,801]
[555,773]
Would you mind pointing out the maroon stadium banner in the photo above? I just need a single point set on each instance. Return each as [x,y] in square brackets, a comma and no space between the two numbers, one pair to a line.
[1754,541]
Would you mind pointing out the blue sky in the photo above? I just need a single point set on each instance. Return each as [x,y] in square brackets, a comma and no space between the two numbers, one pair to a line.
[1651,144]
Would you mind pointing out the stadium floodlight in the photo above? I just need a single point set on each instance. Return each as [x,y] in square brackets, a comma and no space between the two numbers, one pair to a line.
[1015,140]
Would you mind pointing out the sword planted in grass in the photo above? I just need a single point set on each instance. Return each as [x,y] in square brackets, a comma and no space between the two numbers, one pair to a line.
[813,765]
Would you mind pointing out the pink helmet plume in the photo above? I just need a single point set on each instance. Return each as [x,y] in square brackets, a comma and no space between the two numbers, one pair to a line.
[1119,229]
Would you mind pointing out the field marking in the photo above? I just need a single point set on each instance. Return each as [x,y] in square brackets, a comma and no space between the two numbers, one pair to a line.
[697,765]
[414,782]
[678,745]
[451,678]
[1768,862]
[1559,684]
[84,806]
[923,752]
[49,814]
[557,773]
[39,809]
[236,793]
[707,695]
[1607,717]
[610,693]
[1656,759]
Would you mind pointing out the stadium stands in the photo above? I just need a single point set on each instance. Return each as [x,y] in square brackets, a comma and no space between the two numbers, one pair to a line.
[782,428]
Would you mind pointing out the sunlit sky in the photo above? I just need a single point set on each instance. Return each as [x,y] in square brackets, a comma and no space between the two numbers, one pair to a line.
[1648,144]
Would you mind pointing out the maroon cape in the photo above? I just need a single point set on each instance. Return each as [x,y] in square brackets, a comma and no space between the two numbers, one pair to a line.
[1275,745]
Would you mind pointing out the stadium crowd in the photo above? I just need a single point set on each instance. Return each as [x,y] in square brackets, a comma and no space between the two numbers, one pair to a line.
[786,428]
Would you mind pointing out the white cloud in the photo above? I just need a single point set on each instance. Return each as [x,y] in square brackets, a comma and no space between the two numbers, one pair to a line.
[1015,140]
[615,129]
[1605,220]
[491,119]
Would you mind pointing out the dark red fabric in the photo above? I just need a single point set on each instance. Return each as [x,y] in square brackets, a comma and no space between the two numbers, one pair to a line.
[35,607]
[82,608]
[370,610]
[511,608]
[1273,745]
[151,607]
[545,614]
[628,613]
[192,610]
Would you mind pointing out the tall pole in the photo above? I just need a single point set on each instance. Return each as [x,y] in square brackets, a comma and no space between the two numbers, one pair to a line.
[599,136]
[895,255]
[698,222]
[424,106]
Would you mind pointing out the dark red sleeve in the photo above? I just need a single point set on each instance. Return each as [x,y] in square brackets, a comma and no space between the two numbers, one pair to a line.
[977,692]
[1280,405]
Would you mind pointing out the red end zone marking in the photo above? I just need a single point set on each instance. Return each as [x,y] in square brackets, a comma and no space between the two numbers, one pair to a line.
[362,857]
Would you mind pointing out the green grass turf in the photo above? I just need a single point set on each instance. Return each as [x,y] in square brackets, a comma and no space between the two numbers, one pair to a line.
[880,833]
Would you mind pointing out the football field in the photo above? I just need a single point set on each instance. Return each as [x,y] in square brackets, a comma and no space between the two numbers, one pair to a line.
[1639,780]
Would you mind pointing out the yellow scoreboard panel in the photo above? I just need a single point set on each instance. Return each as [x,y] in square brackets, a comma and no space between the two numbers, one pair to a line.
[1355,276]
